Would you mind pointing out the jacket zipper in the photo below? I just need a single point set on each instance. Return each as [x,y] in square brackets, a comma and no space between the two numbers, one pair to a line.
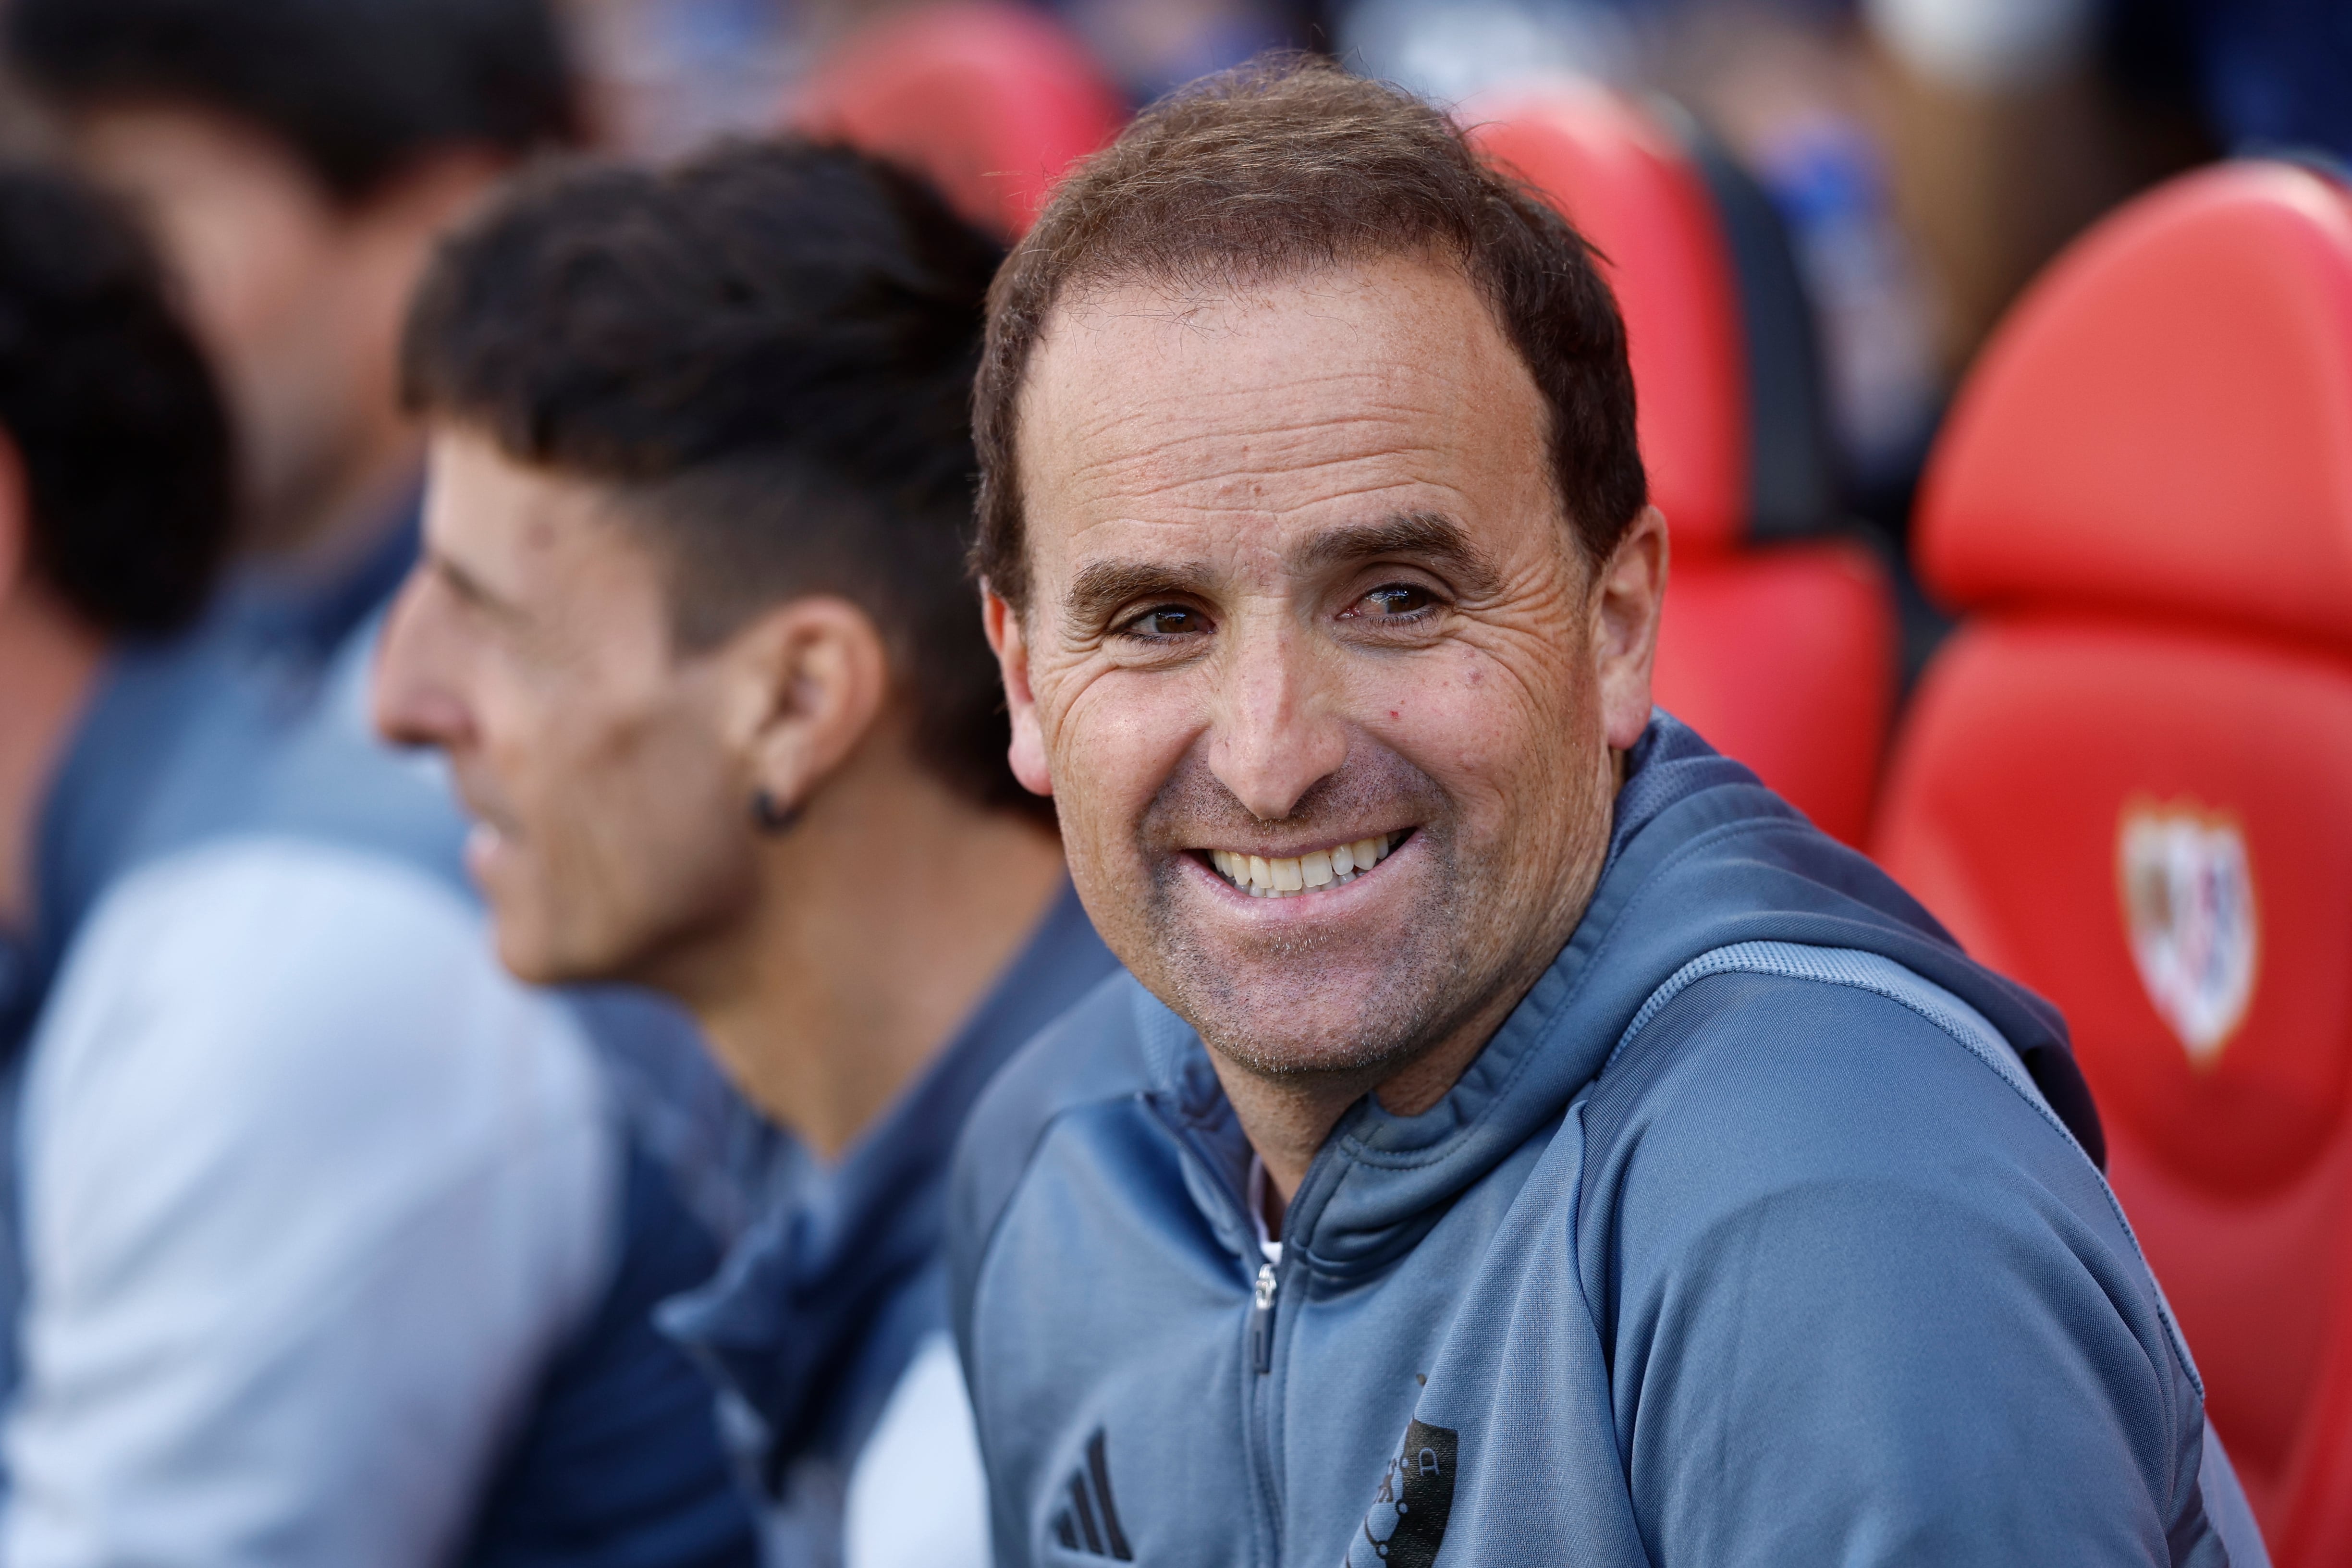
[1264,1297]
[1262,1319]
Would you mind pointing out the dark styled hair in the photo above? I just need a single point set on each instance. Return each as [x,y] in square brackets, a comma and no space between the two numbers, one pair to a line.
[358,89]
[112,410]
[768,353]
[1286,165]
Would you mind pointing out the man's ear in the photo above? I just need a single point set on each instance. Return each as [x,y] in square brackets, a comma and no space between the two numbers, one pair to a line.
[807,681]
[1009,639]
[1628,596]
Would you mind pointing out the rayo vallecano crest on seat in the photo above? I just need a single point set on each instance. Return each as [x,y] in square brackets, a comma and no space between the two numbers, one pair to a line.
[2187,889]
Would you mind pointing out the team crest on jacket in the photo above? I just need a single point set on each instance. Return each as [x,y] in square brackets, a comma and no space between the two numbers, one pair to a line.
[2188,889]
[1407,1521]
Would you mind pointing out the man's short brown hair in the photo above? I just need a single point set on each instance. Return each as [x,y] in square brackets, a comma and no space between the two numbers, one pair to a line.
[1288,165]
[765,353]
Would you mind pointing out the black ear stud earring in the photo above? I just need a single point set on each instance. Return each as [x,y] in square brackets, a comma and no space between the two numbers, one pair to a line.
[770,815]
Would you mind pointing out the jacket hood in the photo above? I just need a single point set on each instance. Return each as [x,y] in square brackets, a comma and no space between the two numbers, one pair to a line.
[1701,855]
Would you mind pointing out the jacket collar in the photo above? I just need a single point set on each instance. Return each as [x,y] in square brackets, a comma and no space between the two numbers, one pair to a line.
[1701,855]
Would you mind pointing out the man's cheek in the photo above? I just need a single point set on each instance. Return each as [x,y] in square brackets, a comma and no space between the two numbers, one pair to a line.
[1104,790]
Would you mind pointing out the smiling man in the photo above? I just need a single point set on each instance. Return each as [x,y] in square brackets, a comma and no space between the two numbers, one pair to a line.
[1523,1139]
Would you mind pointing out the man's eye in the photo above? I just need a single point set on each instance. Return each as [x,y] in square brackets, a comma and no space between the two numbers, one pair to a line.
[1164,621]
[1392,601]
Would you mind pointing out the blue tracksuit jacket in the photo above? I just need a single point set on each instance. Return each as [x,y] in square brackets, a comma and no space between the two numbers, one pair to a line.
[1766,1230]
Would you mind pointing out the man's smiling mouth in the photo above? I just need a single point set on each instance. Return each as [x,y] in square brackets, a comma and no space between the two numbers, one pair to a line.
[1261,877]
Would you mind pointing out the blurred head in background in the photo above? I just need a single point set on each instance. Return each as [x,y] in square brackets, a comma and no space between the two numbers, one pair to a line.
[114,470]
[692,624]
[297,159]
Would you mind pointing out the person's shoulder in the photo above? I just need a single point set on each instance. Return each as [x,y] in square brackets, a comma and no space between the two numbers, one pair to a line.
[1092,1053]
[276,881]
[263,1016]
[1821,1070]
[276,925]
[288,972]
[1818,1196]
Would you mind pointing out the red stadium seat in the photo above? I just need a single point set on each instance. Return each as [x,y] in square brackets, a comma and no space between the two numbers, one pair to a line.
[1782,655]
[994,102]
[2128,781]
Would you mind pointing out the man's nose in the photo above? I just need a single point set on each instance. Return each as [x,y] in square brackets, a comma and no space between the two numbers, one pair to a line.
[410,704]
[1276,733]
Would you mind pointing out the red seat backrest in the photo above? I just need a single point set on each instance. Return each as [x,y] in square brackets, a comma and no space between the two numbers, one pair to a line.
[1783,657]
[1632,190]
[2129,780]
[993,100]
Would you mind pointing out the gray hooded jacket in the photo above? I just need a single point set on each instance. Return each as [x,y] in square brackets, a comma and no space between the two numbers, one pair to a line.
[1767,1229]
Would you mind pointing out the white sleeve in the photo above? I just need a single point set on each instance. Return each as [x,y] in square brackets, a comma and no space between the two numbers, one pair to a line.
[312,1193]
[918,1495]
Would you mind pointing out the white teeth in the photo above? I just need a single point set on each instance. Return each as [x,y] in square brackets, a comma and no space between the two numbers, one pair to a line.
[1263,878]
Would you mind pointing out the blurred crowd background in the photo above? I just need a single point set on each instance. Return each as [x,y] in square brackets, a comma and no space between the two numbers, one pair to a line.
[1927,155]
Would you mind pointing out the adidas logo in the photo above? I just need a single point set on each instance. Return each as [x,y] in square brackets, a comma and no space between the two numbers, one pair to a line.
[1090,1524]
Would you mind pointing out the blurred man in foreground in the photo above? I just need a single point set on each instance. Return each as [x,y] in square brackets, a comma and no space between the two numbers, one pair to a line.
[306,1198]
[298,159]
[693,630]
[1524,1138]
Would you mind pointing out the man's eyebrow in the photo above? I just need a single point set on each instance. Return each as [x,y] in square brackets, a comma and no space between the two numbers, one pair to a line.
[1103,587]
[468,588]
[1429,537]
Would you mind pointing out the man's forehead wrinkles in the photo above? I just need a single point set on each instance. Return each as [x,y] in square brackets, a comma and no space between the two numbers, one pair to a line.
[1365,429]
[1225,497]
[1208,543]
[1230,514]
[1302,404]
[1107,380]
[1193,460]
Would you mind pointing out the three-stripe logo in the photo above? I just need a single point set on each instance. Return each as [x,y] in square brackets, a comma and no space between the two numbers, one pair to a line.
[1090,1524]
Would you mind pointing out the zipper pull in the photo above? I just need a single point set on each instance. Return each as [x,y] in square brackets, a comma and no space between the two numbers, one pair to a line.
[1262,1319]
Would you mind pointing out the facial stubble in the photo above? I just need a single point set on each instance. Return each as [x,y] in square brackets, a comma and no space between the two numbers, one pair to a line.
[1366,1014]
